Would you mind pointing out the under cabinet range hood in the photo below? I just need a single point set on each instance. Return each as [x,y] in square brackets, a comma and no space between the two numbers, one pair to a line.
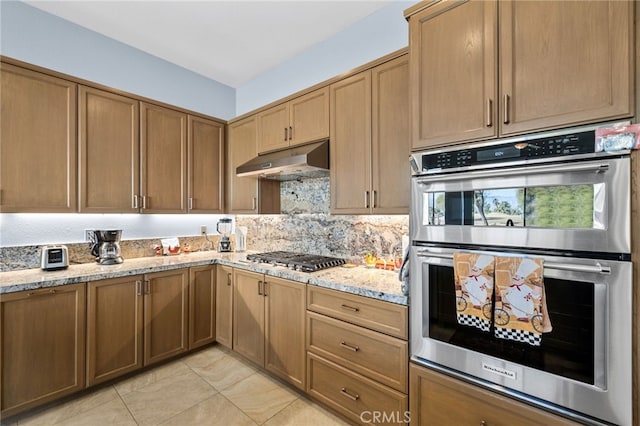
[298,162]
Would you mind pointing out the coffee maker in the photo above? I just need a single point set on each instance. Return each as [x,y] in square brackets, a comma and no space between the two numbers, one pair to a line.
[224,229]
[105,246]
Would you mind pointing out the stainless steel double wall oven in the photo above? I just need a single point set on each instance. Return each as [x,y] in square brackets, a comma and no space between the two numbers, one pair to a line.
[548,196]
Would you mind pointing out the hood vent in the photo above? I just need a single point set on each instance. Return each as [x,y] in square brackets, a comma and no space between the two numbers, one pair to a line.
[290,164]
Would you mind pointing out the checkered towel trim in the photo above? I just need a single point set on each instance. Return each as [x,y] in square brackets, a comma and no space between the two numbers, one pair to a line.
[533,339]
[474,321]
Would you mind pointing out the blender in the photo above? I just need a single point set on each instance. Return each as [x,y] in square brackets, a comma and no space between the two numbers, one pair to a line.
[224,229]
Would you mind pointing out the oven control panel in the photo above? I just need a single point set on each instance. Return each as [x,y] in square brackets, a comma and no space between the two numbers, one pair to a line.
[555,146]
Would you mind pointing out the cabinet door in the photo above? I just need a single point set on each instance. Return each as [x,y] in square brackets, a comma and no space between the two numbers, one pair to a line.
[202,306]
[248,315]
[578,70]
[206,166]
[242,192]
[114,328]
[42,336]
[285,304]
[37,142]
[224,306]
[163,152]
[350,149]
[165,315]
[390,138]
[108,152]
[453,77]
[273,128]
[309,117]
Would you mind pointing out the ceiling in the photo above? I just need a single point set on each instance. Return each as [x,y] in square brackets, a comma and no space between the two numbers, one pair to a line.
[229,41]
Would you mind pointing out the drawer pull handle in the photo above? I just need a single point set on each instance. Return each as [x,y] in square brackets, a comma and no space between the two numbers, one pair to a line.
[351,308]
[41,293]
[351,348]
[348,395]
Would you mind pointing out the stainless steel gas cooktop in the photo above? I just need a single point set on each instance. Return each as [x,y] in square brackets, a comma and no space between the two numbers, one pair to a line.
[296,261]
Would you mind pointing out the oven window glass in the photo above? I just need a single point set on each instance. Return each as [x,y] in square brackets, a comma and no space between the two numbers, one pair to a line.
[567,351]
[573,206]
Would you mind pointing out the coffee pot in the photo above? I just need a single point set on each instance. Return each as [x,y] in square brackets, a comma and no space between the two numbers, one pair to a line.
[105,246]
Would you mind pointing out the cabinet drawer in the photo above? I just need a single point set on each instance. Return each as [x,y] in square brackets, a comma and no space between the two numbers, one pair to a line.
[353,395]
[438,399]
[372,354]
[378,315]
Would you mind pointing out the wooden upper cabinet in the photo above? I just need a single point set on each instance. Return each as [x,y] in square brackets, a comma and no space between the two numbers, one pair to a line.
[298,121]
[273,128]
[350,145]
[370,141]
[108,152]
[390,137]
[577,68]
[163,153]
[485,69]
[452,46]
[205,166]
[242,192]
[309,117]
[38,145]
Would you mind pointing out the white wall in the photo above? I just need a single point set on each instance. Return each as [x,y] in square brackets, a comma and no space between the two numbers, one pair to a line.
[380,33]
[31,35]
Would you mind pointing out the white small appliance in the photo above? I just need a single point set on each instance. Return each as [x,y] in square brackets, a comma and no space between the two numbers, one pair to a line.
[54,257]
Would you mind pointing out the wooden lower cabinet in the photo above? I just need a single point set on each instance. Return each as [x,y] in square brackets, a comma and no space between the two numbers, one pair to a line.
[437,399]
[224,306]
[165,313]
[268,324]
[114,328]
[353,395]
[202,306]
[42,337]
[284,330]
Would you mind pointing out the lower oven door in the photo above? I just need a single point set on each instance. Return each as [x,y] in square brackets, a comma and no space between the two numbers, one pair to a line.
[583,365]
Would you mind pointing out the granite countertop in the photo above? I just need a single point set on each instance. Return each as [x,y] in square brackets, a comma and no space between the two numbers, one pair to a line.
[373,283]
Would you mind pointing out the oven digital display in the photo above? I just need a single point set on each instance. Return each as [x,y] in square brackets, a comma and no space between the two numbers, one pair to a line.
[497,154]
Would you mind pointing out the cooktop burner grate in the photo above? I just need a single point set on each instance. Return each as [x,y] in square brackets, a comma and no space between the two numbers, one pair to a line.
[297,261]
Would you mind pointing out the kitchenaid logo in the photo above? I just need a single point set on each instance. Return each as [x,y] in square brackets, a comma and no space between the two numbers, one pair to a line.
[385,417]
[500,371]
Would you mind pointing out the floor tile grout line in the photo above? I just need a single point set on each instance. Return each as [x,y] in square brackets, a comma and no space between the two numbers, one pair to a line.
[125,404]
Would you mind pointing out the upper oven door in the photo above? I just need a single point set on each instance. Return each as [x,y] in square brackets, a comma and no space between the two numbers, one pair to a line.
[577,206]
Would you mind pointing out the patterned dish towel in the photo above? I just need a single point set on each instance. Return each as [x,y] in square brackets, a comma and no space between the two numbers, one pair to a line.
[520,311]
[474,289]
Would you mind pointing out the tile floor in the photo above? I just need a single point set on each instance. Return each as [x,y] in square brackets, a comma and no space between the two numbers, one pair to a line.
[210,387]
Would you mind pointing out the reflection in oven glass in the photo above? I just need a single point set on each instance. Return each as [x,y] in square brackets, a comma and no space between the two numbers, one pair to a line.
[566,351]
[542,207]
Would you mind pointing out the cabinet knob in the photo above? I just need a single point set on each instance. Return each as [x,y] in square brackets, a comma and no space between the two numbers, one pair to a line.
[139,288]
[286,136]
[229,278]
[260,288]
[135,202]
[489,112]
[290,133]
[265,286]
[366,199]
[190,203]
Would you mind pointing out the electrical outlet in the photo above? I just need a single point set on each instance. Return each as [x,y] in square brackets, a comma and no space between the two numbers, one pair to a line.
[88,233]
[203,230]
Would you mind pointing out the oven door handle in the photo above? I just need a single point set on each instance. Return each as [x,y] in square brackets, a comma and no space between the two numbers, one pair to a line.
[520,171]
[597,268]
